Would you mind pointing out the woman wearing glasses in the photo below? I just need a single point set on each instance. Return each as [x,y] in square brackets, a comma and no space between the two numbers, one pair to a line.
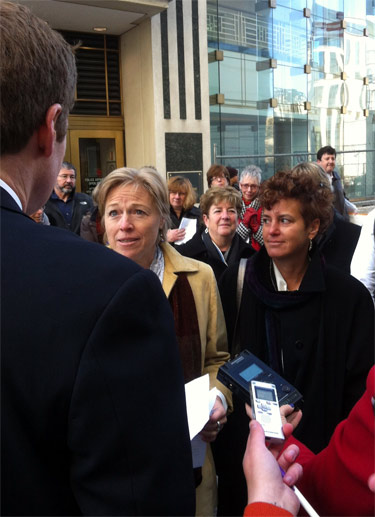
[218,176]
[250,227]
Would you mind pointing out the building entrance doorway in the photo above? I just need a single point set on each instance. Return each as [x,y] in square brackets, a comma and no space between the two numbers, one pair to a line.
[95,153]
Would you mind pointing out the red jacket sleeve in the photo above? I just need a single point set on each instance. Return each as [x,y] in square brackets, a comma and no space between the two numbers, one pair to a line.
[265,510]
[335,480]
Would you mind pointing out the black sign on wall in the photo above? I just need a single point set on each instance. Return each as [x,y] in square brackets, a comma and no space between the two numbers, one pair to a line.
[183,152]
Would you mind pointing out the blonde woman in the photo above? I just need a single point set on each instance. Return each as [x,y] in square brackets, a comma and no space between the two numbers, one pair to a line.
[135,209]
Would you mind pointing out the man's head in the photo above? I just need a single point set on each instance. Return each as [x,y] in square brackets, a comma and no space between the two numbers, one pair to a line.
[326,158]
[37,71]
[66,179]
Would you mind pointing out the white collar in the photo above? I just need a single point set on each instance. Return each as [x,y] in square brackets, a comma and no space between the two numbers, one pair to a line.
[11,193]
[158,264]
[280,282]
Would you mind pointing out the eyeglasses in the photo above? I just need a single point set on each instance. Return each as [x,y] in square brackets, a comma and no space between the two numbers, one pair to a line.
[66,176]
[248,186]
[219,178]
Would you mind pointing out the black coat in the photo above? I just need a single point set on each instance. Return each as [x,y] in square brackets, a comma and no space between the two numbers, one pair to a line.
[82,204]
[338,243]
[192,213]
[327,342]
[196,248]
[85,335]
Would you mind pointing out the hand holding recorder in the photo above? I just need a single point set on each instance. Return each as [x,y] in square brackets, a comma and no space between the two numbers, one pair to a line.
[262,470]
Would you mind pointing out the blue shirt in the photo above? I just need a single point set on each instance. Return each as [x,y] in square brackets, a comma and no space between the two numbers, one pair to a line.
[65,207]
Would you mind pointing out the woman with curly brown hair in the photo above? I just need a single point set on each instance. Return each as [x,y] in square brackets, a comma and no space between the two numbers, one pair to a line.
[310,322]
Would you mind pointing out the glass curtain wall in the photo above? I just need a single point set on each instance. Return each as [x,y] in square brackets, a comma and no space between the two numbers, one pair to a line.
[295,77]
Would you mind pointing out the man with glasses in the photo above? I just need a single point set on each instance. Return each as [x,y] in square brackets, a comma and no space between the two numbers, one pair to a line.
[66,207]
[250,227]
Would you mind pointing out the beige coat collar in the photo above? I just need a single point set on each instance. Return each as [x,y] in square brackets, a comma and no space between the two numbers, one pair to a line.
[175,263]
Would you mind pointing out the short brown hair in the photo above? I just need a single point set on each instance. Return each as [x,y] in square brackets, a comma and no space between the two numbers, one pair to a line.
[37,71]
[315,197]
[217,170]
[147,178]
[183,185]
[216,195]
[331,151]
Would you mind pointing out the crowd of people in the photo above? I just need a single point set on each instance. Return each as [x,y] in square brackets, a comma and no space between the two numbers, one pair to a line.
[99,338]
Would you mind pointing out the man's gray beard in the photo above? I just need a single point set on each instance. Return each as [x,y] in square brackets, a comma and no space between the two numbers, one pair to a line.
[66,190]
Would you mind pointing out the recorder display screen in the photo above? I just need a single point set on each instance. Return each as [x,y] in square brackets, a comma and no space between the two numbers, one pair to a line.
[265,394]
[251,372]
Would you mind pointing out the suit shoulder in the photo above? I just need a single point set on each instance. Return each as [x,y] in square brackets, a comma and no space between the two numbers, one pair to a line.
[59,246]
[339,280]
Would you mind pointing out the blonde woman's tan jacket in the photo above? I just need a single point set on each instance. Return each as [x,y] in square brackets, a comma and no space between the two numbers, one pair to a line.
[213,335]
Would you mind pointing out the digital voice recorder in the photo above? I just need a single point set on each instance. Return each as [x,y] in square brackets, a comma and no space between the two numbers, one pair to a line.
[265,406]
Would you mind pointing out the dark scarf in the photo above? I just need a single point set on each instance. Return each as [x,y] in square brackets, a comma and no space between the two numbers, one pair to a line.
[188,337]
[259,277]
[186,327]
[234,250]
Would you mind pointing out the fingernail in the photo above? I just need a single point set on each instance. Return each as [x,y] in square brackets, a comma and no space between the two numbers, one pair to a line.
[291,405]
[287,479]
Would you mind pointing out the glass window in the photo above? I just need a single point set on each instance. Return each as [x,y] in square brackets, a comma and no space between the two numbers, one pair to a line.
[330,10]
[264,41]
[290,86]
[353,165]
[292,4]
[327,124]
[97,159]
[300,137]
[324,93]
[98,89]
[274,138]
[355,11]
[231,78]
[355,56]
[289,36]
[213,72]
[328,55]
[265,85]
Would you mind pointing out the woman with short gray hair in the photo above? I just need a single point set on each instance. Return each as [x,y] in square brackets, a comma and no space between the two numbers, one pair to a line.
[250,227]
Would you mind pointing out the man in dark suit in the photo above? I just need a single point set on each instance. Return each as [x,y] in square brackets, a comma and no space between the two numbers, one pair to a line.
[326,158]
[66,207]
[93,416]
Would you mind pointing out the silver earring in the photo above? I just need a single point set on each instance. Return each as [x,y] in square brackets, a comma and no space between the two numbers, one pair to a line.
[310,245]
